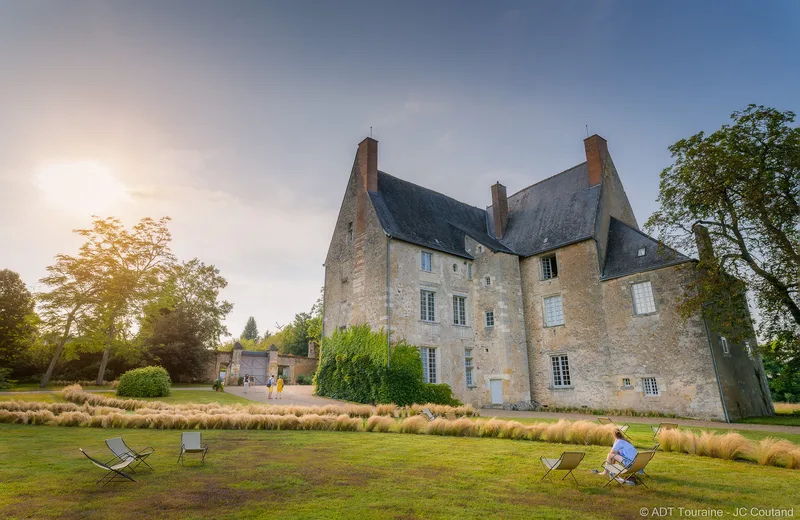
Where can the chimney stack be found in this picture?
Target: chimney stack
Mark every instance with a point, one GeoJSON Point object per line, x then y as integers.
{"type": "Point", "coordinates": [705, 249]}
{"type": "Point", "coordinates": [368, 164]}
{"type": "Point", "coordinates": [499, 209]}
{"type": "Point", "coordinates": [596, 154]}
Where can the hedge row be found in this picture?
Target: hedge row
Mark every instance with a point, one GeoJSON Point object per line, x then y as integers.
{"type": "Point", "coordinates": [353, 367]}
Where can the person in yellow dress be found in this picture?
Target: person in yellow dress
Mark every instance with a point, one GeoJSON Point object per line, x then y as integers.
{"type": "Point", "coordinates": [280, 385]}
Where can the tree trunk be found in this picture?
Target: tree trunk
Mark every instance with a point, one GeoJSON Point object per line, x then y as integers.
{"type": "Point", "coordinates": [102, 372]}
{"type": "Point", "coordinates": [59, 349]}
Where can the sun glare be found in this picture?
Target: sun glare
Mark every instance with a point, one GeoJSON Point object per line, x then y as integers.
{"type": "Point", "coordinates": [82, 187]}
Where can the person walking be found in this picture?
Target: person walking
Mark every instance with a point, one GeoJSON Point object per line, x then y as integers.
{"type": "Point", "coordinates": [270, 384]}
{"type": "Point", "coordinates": [280, 385]}
{"type": "Point", "coordinates": [246, 382]}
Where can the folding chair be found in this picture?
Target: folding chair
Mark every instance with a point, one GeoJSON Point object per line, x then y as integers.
{"type": "Point", "coordinates": [123, 452]}
{"type": "Point", "coordinates": [621, 427]}
{"type": "Point", "coordinates": [663, 426]}
{"type": "Point", "coordinates": [191, 442]}
{"type": "Point", "coordinates": [450, 416]}
{"type": "Point", "coordinates": [112, 472]}
{"type": "Point", "coordinates": [568, 461]}
{"type": "Point", "coordinates": [427, 413]}
{"type": "Point", "coordinates": [620, 473]}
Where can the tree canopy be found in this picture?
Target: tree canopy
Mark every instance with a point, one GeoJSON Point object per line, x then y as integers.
{"type": "Point", "coordinates": [17, 318]}
{"type": "Point", "coordinates": [742, 183]}
{"type": "Point", "coordinates": [250, 330]}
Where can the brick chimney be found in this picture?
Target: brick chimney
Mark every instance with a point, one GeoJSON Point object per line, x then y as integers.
{"type": "Point", "coordinates": [596, 154]}
{"type": "Point", "coordinates": [499, 209]}
{"type": "Point", "coordinates": [368, 164]}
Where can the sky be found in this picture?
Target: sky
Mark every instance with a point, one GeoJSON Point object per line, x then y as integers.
{"type": "Point", "coordinates": [240, 120]}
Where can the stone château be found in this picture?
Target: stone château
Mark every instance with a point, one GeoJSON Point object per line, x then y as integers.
{"type": "Point", "coordinates": [551, 296]}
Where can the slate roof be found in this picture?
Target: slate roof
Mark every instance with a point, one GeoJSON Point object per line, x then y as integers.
{"type": "Point", "coordinates": [552, 213]}
{"type": "Point", "coordinates": [424, 217]}
{"type": "Point", "coordinates": [622, 257]}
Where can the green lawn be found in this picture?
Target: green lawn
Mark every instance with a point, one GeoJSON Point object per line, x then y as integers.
{"type": "Point", "coordinates": [781, 419]}
{"type": "Point", "coordinates": [309, 474]}
{"type": "Point", "coordinates": [178, 396]}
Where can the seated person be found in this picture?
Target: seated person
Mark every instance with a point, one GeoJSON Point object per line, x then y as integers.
{"type": "Point", "coordinates": [622, 452]}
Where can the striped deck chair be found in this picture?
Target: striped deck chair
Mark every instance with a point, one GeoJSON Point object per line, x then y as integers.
{"type": "Point", "coordinates": [427, 413]}
{"type": "Point", "coordinates": [663, 426]}
{"type": "Point", "coordinates": [568, 461]}
{"type": "Point", "coordinates": [620, 473]}
{"type": "Point", "coordinates": [621, 427]}
{"type": "Point", "coordinates": [114, 472]}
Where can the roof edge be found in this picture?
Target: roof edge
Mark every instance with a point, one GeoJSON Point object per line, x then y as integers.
{"type": "Point", "coordinates": [684, 260]}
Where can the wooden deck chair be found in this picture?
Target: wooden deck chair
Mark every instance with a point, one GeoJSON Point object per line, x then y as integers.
{"type": "Point", "coordinates": [568, 461]}
{"type": "Point", "coordinates": [450, 416]}
{"type": "Point", "coordinates": [119, 448]}
{"type": "Point", "coordinates": [427, 413]}
{"type": "Point", "coordinates": [663, 426]}
{"type": "Point", "coordinates": [192, 442]}
{"type": "Point", "coordinates": [621, 427]}
{"type": "Point", "coordinates": [114, 472]}
{"type": "Point", "coordinates": [620, 473]}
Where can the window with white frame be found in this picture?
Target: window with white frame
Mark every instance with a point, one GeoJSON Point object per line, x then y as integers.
{"type": "Point", "coordinates": [490, 318]}
{"type": "Point", "coordinates": [349, 232]}
{"type": "Point", "coordinates": [428, 364]}
{"type": "Point", "coordinates": [626, 381]}
{"type": "Point", "coordinates": [469, 271]}
{"type": "Point", "coordinates": [560, 371]}
{"type": "Point", "coordinates": [427, 305]}
{"type": "Point", "coordinates": [650, 386]}
{"type": "Point", "coordinates": [553, 311]}
{"type": "Point", "coordinates": [725, 348]}
{"type": "Point", "coordinates": [459, 310]}
{"type": "Point", "coordinates": [549, 267]}
{"type": "Point", "coordinates": [643, 302]}
{"type": "Point", "coordinates": [426, 261]}
{"type": "Point", "coordinates": [468, 366]}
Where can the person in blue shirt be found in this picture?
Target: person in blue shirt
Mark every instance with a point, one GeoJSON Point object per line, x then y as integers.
{"type": "Point", "coordinates": [622, 452]}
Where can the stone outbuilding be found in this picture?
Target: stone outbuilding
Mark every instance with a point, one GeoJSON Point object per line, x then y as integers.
{"type": "Point", "coordinates": [260, 364]}
{"type": "Point", "coordinates": [551, 296]}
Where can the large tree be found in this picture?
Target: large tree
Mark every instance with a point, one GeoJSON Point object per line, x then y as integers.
{"type": "Point", "coordinates": [250, 330]}
{"type": "Point", "coordinates": [116, 273]}
{"type": "Point", "coordinates": [176, 343]}
{"type": "Point", "coordinates": [742, 183]}
{"type": "Point", "coordinates": [16, 318]}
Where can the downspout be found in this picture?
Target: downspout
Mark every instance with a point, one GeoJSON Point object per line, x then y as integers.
{"type": "Point", "coordinates": [716, 372]}
{"type": "Point", "coordinates": [388, 303]}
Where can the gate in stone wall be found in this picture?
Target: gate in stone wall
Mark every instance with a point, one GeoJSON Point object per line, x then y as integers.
{"type": "Point", "coordinates": [255, 364]}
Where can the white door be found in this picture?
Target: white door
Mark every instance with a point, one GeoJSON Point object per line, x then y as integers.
{"type": "Point", "coordinates": [496, 386]}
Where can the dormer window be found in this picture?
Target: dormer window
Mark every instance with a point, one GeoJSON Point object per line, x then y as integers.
{"type": "Point", "coordinates": [641, 252]}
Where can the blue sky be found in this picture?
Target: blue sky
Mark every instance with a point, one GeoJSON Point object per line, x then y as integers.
{"type": "Point", "coordinates": [240, 119]}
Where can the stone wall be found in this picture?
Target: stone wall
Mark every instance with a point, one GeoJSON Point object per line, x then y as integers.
{"type": "Point", "coordinates": [499, 352]}
{"type": "Point", "coordinates": [606, 341]}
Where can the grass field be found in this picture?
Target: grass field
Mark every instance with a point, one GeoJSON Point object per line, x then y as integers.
{"type": "Point", "coordinates": [178, 396]}
{"type": "Point", "coordinates": [306, 474]}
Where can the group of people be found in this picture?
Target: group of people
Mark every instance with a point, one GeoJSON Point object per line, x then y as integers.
{"type": "Point", "coordinates": [271, 384]}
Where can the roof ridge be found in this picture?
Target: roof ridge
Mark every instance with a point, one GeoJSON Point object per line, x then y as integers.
{"type": "Point", "coordinates": [547, 179]}
{"type": "Point", "coordinates": [430, 190]}
{"type": "Point", "coordinates": [659, 242]}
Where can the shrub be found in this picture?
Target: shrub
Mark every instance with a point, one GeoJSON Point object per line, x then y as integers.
{"type": "Point", "coordinates": [303, 380]}
{"type": "Point", "coordinates": [353, 367]}
{"type": "Point", "coordinates": [144, 382]}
